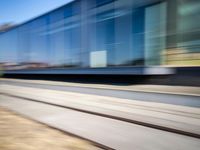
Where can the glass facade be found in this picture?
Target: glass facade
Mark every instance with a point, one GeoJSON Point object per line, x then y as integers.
{"type": "Point", "coordinates": [107, 33]}
{"type": "Point", "coordinates": [186, 50]}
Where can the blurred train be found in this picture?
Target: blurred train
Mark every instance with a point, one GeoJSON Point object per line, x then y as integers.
{"type": "Point", "coordinates": [106, 37]}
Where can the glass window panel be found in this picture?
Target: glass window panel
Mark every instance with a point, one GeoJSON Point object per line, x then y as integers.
{"type": "Point", "coordinates": [38, 41]}
{"type": "Point", "coordinates": [123, 30]}
{"type": "Point", "coordinates": [103, 2]}
{"type": "Point", "coordinates": [138, 36]}
{"type": "Point", "coordinates": [56, 37]}
{"type": "Point", "coordinates": [188, 26]}
{"type": "Point", "coordinates": [155, 33]}
{"type": "Point", "coordinates": [102, 32]}
{"type": "Point", "coordinates": [72, 38]}
{"type": "Point", "coordinates": [24, 43]}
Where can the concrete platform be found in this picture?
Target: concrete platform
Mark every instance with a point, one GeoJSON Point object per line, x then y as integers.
{"type": "Point", "coordinates": [27, 134]}
{"type": "Point", "coordinates": [182, 118]}
{"type": "Point", "coordinates": [110, 132]}
{"type": "Point", "coordinates": [178, 90]}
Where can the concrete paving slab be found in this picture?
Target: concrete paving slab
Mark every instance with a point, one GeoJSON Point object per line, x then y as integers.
{"type": "Point", "coordinates": [165, 89]}
{"type": "Point", "coordinates": [171, 116]}
{"type": "Point", "coordinates": [113, 133]}
{"type": "Point", "coordinates": [20, 133]}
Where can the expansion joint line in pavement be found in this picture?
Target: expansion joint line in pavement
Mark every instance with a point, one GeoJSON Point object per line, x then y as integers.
{"type": "Point", "coordinates": [61, 130]}
{"type": "Point", "coordinates": [163, 128]}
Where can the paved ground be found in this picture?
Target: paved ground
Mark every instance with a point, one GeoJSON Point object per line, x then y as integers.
{"type": "Point", "coordinates": [181, 118]}
{"type": "Point", "coordinates": [144, 106]}
{"type": "Point", "coordinates": [149, 93]}
{"type": "Point", "coordinates": [113, 133]}
{"type": "Point", "coordinates": [182, 90]}
{"type": "Point", "coordinates": [19, 133]}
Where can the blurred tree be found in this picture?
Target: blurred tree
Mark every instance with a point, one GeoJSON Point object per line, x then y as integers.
{"type": "Point", "coordinates": [6, 26]}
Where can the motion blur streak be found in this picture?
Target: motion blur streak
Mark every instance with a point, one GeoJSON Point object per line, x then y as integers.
{"type": "Point", "coordinates": [106, 33]}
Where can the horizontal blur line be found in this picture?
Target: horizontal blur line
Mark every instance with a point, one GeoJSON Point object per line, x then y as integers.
{"type": "Point", "coordinates": [167, 129]}
{"type": "Point", "coordinates": [66, 132]}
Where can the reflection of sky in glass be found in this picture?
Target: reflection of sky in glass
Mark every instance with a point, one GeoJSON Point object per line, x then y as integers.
{"type": "Point", "coordinates": [130, 34]}
{"type": "Point", "coordinates": [26, 9]}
